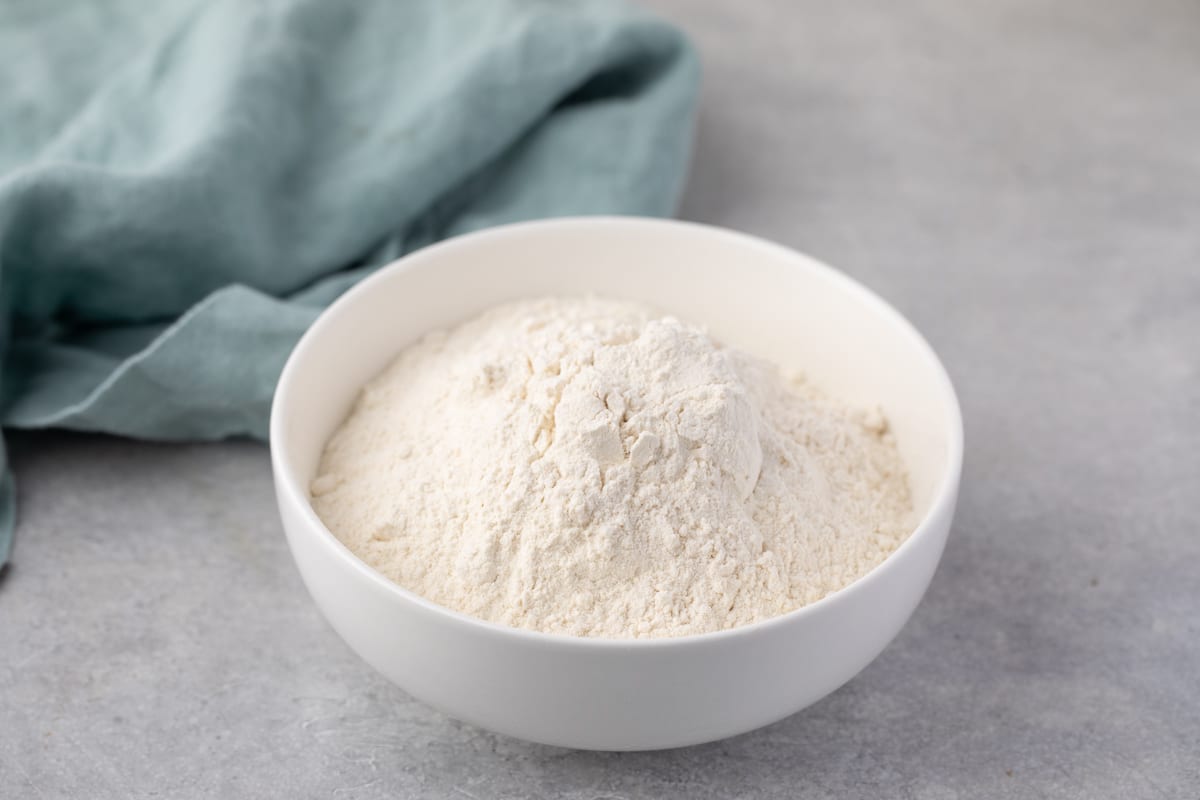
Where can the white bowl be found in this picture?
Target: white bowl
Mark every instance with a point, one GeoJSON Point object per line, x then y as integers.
{"type": "Point", "coordinates": [622, 694]}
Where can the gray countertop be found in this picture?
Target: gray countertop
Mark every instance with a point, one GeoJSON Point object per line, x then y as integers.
{"type": "Point", "coordinates": [1023, 180]}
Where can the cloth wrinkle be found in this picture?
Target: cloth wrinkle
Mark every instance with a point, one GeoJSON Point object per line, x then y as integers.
{"type": "Point", "coordinates": [179, 198]}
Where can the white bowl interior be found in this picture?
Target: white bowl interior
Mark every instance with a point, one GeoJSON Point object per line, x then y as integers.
{"type": "Point", "coordinates": [760, 297]}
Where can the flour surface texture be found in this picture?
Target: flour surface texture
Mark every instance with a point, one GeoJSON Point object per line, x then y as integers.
{"type": "Point", "coordinates": [589, 467]}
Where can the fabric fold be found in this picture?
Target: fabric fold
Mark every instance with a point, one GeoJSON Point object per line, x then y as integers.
{"type": "Point", "coordinates": [241, 164]}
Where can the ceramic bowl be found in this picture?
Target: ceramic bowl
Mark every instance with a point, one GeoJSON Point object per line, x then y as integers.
{"type": "Point", "coordinates": [622, 694]}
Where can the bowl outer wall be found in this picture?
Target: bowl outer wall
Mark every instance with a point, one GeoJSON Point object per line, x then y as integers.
{"type": "Point", "coordinates": [586, 693]}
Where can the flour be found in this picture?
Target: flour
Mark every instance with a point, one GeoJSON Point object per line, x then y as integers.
{"type": "Point", "coordinates": [587, 467]}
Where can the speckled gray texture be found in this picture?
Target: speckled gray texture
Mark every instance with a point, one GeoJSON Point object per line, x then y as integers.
{"type": "Point", "coordinates": [1023, 179]}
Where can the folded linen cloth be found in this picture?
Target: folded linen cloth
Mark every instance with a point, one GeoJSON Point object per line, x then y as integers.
{"type": "Point", "coordinates": [183, 186]}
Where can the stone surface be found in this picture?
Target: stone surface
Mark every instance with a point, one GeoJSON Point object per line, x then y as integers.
{"type": "Point", "coordinates": [1023, 180]}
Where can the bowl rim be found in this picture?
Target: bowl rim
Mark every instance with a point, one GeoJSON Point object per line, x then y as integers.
{"type": "Point", "coordinates": [945, 495]}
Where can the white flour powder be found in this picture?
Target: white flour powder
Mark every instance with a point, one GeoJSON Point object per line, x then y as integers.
{"type": "Point", "coordinates": [587, 467]}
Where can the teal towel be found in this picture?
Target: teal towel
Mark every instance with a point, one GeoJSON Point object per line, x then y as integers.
{"type": "Point", "coordinates": [183, 186]}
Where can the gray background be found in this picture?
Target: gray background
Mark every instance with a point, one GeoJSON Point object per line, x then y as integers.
{"type": "Point", "coordinates": [1022, 178]}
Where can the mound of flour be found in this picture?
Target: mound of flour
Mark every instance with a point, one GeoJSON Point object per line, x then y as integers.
{"type": "Point", "coordinates": [588, 467]}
